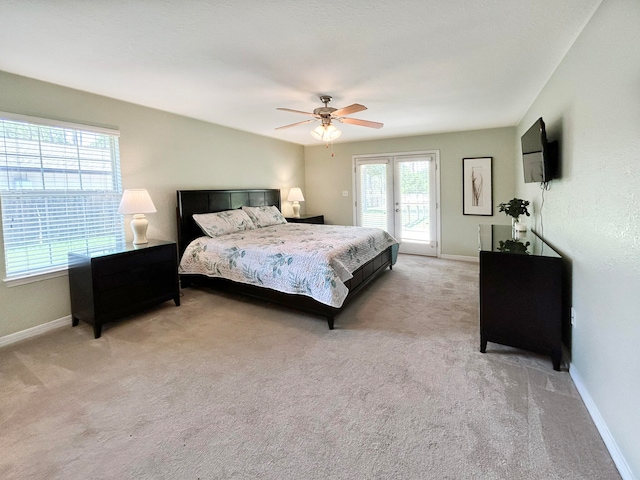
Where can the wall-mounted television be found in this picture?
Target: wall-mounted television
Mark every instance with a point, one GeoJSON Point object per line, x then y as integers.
{"type": "Point", "coordinates": [539, 157]}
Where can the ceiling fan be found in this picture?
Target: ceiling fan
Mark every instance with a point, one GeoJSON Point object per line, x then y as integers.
{"type": "Point", "coordinates": [326, 131]}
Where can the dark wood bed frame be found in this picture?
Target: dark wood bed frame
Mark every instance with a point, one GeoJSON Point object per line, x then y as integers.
{"type": "Point", "coordinates": [209, 201]}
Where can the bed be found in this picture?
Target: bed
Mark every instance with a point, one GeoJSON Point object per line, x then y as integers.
{"type": "Point", "coordinates": [249, 269]}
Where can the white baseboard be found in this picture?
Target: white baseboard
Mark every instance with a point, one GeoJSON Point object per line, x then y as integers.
{"type": "Point", "coordinates": [609, 441]}
{"type": "Point", "coordinates": [34, 331]}
{"type": "Point", "coordinates": [461, 258]}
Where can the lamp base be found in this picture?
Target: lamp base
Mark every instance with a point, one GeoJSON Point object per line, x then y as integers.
{"type": "Point", "coordinates": [139, 226]}
{"type": "Point", "coordinates": [296, 209]}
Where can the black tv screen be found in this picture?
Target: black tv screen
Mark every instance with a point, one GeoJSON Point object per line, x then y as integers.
{"type": "Point", "coordinates": [539, 157]}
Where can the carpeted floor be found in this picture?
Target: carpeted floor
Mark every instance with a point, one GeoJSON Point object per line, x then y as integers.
{"type": "Point", "coordinates": [222, 388]}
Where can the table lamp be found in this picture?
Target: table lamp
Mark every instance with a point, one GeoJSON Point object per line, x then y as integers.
{"type": "Point", "coordinates": [137, 202]}
{"type": "Point", "coordinates": [295, 196]}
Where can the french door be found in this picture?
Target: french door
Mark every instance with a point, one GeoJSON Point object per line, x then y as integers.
{"type": "Point", "coordinates": [398, 193]}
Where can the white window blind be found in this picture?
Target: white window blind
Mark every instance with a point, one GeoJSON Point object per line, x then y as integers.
{"type": "Point", "coordinates": [373, 189]}
{"type": "Point", "coordinates": [60, 189]}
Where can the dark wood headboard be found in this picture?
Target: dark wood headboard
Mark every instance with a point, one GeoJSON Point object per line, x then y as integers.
{"type": "Point", "coordinates": [209, 201]}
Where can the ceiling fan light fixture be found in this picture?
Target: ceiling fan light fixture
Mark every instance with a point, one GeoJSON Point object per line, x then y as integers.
{"type": "Point", "coordinates": [326, 133]}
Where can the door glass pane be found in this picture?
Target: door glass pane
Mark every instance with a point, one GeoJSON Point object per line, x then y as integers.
{"type": "Point", "coordinates": [414, 200]}
{"type": "Point", "coordinates": [373, 197]}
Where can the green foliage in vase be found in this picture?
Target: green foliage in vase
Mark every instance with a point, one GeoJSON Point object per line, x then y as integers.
{"type": "Point", "coordinates": [515, 207]}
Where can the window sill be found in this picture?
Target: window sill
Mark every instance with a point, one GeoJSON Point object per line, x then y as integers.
{"type": "Point", "coordinates": [38, 277]}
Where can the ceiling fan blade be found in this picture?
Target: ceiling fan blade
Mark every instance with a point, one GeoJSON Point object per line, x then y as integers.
{"type": "Point", "coordinates": [296, 124]}
{"type": "Point", "coordinates": [362, 123]}
{"type": "Point", "coordinates": [356, 107]}
{"type": "Point", "coordinates": [295, 111]}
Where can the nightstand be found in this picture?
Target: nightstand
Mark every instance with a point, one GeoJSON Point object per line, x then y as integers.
{"type": "Point", "coordinates": [108, 285]}
{"type": "Point", "coordinates": [319, 219]}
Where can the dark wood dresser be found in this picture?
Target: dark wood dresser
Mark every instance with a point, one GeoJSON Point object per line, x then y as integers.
{"type": "Point", "coordinates": [521, 292]}
{"type": "Point", "coordinates": [108, 285]}
{"type": "Point", "coordinates": [318, 219]}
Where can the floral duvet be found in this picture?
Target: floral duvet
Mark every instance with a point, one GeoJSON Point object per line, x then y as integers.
{"type": "Point", "coordinates": [311, 260]}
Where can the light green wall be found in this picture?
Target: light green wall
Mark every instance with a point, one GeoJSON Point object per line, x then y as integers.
{"type": "Point", "coordinates": [327, 177]}
{"type": "Point", "coordinates": [592, 106]}
{"type": "Point", "coordinates": [159, 151]}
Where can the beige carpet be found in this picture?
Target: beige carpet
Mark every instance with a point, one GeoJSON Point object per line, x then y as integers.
{"type": "Point", "coordinates": [222, 388]}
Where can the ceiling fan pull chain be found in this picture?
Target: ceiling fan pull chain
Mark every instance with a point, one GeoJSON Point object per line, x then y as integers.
{"type": "Point", "coordinates": [327, 146]}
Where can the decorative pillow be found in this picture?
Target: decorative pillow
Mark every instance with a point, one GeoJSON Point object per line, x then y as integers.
{"type": "Point", "coordinates": [265, 216]}
{"type": "Point", "coordinates": [221, 223]}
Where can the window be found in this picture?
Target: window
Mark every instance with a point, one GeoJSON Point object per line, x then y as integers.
{"type": "Point", "coordinates": [60, 190]}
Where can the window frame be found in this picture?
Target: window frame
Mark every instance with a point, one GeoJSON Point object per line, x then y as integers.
{"type": "Point", "coordinates": [57, 269]}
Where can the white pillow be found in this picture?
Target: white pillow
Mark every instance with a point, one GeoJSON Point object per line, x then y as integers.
{"type": "Point", "coordinates": [222, 223]}
{"type": "Point", "coordinates": [265, 216]}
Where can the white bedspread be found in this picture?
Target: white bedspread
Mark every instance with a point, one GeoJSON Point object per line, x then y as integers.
{"type": "Point", "coordinates": [311, 260]}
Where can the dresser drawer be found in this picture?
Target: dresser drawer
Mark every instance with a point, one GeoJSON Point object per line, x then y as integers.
{"type": "Point", "coordinates": [111, 303]}
{"type": "Point", "coordinates": [133, 260]}
{"type": "Point", "coordinates": [121, 278]}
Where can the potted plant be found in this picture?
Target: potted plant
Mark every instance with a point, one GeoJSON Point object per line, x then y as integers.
{"type": "Point", "coordinates": [514, 208]}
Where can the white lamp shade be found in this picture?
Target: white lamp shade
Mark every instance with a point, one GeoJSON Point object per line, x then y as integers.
{"type": "Point", "coordinates": [295, 195]}
{"type": "Point", "coordinates": [136, 200]}
{"type": "Point", "coordinates": [326, 133]}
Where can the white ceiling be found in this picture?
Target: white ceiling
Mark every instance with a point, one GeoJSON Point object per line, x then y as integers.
{"type": "Point", "coordinates": [420, 66]}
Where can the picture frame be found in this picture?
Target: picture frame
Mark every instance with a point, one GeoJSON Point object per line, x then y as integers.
{"type": "Point", "coordinates": [477, 186]}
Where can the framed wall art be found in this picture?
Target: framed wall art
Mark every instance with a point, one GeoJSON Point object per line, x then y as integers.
{"type": "Point", "coordinates": [476, 186]}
